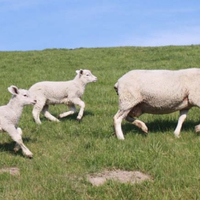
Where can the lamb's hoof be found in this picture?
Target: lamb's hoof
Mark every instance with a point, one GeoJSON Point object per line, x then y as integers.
{"type": "Point", "coordinates": [197, 128]}
{"type": "Point", "coordinates": [60, 116]}
{"type": "Point", "coordinates": [120, 137]}
{"type": "Point", "coordinates": [79, 120]}
{"type": "Point", "coordinates": [145, 129]}
{"type": "Point", "coordinates": [16, 149]}
{"type": "Point", "coordinates": [30, 156]}
{"type": "Point", "coordinates": [177, 135]}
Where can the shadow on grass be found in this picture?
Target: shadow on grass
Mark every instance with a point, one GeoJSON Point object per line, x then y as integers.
{"type": "Point", "coordinates": [9, 147]}
{"type": "Point", "coordinates": [70, 117]}
{"type": "Point", "coordinates": [159, 126]}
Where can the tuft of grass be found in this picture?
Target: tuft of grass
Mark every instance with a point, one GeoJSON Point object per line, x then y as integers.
{"type": "Point", "coordinates": [65, 152]}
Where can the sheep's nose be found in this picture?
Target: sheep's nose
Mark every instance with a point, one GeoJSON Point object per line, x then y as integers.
{"type": "Point", "coordinates": [35, 101]}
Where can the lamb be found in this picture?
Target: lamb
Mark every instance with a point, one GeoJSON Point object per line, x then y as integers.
{"type": "Point", "coordinates": [10, 115]}
{"type": "Point", "coordinates": [65, 92]}
{"type": "Point", "coordinates": [156, 92]}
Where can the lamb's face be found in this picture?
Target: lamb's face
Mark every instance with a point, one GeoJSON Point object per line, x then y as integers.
{"type": "Point", "coordinates": [87, 76]}
{"type": "Point", "coordinates": [25, 98]}
{"type": "Point", "coordinates": [22, 96]}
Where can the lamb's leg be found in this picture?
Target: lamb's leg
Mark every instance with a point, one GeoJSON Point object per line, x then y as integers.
{"type": "Point", "coordinates": [71, 112]}
{"type": "Point", "coordinates": [138, 123]}
{"type": "Point", "coordinates": [182, 117]}
{"type": "Point", "coordinates": [48, 115]}
{"type": "Point", "coordinates": [37, 109]}
{"type": "Point", "coordinates": [16, 136]}
{"type": "Point", "coordinates": [120, 115]}
{"type": "Point", "coordinates": [17, 147]}
{"type": "Point", "coordinates": [80, 103]}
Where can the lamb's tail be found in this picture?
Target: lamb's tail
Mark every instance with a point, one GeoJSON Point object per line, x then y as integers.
{"type": "Point", "coordinates": [116, 88]}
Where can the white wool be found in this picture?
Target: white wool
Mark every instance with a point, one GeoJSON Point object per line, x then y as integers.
{"type": "Point", "coordinates": [156, 92]}
{"type": "Point", "coordinates": [61, 92]}
{"type": "Point", "coordinates": [11, 113]}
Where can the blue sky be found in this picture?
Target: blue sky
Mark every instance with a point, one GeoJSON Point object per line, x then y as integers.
{"type": "Point", "coordinates": [41, 24]}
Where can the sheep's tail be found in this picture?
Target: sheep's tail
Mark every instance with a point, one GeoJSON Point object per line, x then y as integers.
{"type": "Point", "coordinates": [116, 87]}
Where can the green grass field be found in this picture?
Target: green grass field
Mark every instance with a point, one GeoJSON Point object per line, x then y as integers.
{"type": "Point", "coordinates": [65, 152]}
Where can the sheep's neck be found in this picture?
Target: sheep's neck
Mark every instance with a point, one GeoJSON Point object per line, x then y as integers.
{"type": "Point", "coordinates": [80, 82]}
{"type": "Point", "coordinates": [16, 106]}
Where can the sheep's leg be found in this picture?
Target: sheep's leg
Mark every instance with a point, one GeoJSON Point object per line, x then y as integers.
{"type": "Point", "coordinates": [197, 127]}
{"type": "Point", "coordinates": [36, 111]}
{"type": "Point", "coordinates": [120, 115]}
{"type": "Point", "coordinates": [80, 103]}
{"type": "Point", "coordinates": [15, 134]}
{"type": "Point", "coordinates": [194, 99]}
{"type": "Point", "coordinates": [182, 117]}
{"type": "Point", "coordinates": [71, 112]}
{"type": "Point", "coordinates": [138, 123]}
{"type": "Point", "coordinates": [48, 115]}
{"type": "Point", "coordinates": [17, 147]}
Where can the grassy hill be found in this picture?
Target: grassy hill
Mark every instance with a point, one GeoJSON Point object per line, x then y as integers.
{"type": "Point", "coordinates": [65, 152]}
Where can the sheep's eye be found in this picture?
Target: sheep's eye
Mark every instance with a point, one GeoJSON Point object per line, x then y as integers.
{"type": "Point", "coordinates": [87, 74]}
{"type": "Point", "coordinates": [25, 95]}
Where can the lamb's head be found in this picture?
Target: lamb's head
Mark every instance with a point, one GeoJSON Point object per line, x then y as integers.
{"type": "Point", "coordinates": [86, 76]}
{"type": "Point", "coordinates": [23, 96]}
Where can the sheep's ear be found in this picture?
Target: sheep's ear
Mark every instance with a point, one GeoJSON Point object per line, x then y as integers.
{"type": "Point", "coordinates": [79, 71]}
{"type": "Point", "coordinates": [13, 90]}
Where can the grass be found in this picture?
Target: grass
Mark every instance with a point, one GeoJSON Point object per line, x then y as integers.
{"type": "Point", "coordinates": [64, 153]}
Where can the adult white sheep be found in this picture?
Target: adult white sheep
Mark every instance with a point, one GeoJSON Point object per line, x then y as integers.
{"type": "Point", "coordinates": [156, 92]}
{"type": "Point", "coordinates": [10, 115]}
{"type": "Point", "coordinates": [65, 92]}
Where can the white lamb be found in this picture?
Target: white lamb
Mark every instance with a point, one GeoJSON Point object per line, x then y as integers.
{"type": "Point", "coordinates": [65, 92]}
{"type": "Point", "coordinates": [156, 92]}
{"type": "Point", "coordinates": [10, 115]}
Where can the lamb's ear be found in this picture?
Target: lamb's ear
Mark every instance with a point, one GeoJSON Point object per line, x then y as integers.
{"type": "Point", "coordinates": [13, 90]}
{"type": "Point", "coordinates": [79, 71]}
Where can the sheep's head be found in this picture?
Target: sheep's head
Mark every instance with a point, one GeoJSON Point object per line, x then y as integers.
{"type": "Point", "coordinates": [86, 76]}
{"type": "Point", "coordinates": [22, 95]}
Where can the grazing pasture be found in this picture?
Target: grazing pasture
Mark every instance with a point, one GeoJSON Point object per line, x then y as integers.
{"type": "Point", "coordinates": [66, 153]}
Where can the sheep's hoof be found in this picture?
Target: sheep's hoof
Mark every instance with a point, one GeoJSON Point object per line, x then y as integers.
{"type": "Point", "coordinates": [60, 116]}
{"type": "Point", "coordinates": [30, 156]}
{"type": "Point", "coordinates": [120, 137]}
{"type": "Point", "coordinates": [16, 149]}
{"type": "Point", "coordinates": [177, 135]}
{"type": "Point", "coordinates": [79, 120]}
{"type": "Point", "coordinates": [145, 129]}
{"type": "Point", "coordinates": [197, 128]}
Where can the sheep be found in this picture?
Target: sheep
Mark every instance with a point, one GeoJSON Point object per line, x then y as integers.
{"type": "Point", "coordinates": [65, 92]}
{"type": "Point", "coordinates": [156, 92]}
{"type": "Point", "coordinates": [10, 115]}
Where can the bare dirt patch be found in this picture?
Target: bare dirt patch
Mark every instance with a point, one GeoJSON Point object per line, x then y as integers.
{"type": "Point", "coordinates": [130, 177]}
{"type": "Point", "coordinates": [14, 171]}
